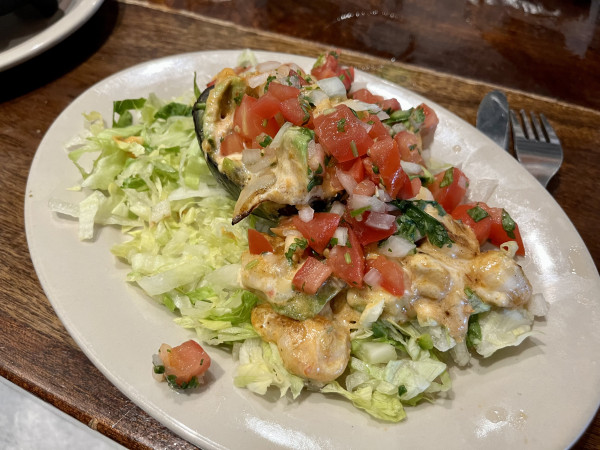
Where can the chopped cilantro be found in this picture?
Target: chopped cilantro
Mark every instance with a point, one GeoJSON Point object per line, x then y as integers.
{"type": "Point", "coordinates": [341, 124]}
{"type": "Point", "coordinates": [477, 213]}
{"type": "Point", "coordinates": [508, 224]}
{"type": "Point", "coordinates": [448, 177]}
{"type": "Point", "coordinates": [299, 243]}
{"type": "Point", "coordinates": [266, 141]}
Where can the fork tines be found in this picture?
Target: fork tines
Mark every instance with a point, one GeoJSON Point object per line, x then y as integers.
{"type": "Point", "coordinates": [536, 145]}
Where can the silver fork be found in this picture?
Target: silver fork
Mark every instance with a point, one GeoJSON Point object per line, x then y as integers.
{"type": "Point", "coordinates": [538, 147]}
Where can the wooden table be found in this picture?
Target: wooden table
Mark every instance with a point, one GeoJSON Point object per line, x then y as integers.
{"type": "Point", "coordinates": [453, 56]}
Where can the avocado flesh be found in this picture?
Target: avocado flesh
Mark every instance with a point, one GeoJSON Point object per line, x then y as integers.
{"type": "Point", "coordinates": [281, 186]}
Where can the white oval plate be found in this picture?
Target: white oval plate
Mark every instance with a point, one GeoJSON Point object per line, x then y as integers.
{"type": "Point", "coordinates": [28, 38]}
{"type": "Point", "coordinates": [541, 395]}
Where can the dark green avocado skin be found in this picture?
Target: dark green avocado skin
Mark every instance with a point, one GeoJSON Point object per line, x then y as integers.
{"type": "Point", "coordinates": [197, 113]}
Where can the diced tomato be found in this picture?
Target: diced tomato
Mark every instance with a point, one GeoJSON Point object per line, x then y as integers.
{"type": "Point", "coordinates": [249, 124]}
{"type": "Point", "coordinates": [410, 188]}
{"type": "Point", "coordinates": [370, 171]}
{"type": "Point", "coordinates": [267, 106]}
{"type": "Point", "coordinates": [355, 168]}
{"type": "Point", "coordinates": [365, 187]}
{"type": "Point", "coordinates": [292, 111]}
{"type": "Point", "coordinates": [378, 130]}
{"type": "Point", "coordinates": [185, 361]}
{"type": "Point", "coordinates": [283, 92]}
{"type": "Point", "coordinates": [392, 274]}
{"type": "Point", "coordinates": [364, 95]}
{"type": "Point", "coordinates": [409, 145]}
{"type": "Point", "coordinates": [431, 122]}
{"type": "Point", "coordinates": [482, 227]}
{"type": "Point", "coordinates": [342, 134]}
{"type": "Point", "coordinates": [449, 188]}
{"type": "Point", "coordinates": [310, 277]}
{"type": "Point", "coordinates": [347, 76]}
{"type": "Point", "coordinates": [233, 143]}
{"type": "Point", "coordinates": [498, 235]}
{"type": "Point", "coordinates": [348, 261]}
{"type": "Point", "coordinates": [319, 231]}
{"type": "Point", "coordinates": [326, 67]}
{"type": "Point", "coordinates": [366, 234]}
{"type": "Point", "coordinates": [258, 243]}
{"type": "Point", "coordinates": [386, 157]}
{"type": "Point", "coordinates": [390, 105]}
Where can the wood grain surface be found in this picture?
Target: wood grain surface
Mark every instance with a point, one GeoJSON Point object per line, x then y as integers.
{"type": "Point", "coordinates": [36, 352]}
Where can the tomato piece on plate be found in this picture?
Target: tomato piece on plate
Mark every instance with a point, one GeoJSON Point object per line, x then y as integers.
{"type": "Point", "coordinates": [390, 105]}
{"type": "Point", "coordinates": [392, 274]}
{"type": "Point", "coordinates": [318, 231]}
{"type": "Point", "coordinates": [365, 95]}
{"type": "Point", "coordinates": [249, 124]}
{"type": "Point", "coordinates": [504, 228]}
{"type": "Point", "coordinates": [365, 187]}
{"type": "Point", "coordinates": [377, 130]}
{"type": "Point", "coordinates": [348, 261]}
{"type": "Point", "coordinates": [355, 168]}
{"type": "Point", "coordinates": [311, 276]}
{"type": "Point", "coordinates": [427, 130]}
{"type": "Point", "coordinates": [267, 106]}
{"type": "Point", "coordinates": [386, 157]}
{"type": "Point", "coordinates": [185, 361]}
{"type": "Point", "coordinates": [366, 234]}
{"type": "Point", "coordinates": [326, 66]}
{"type": "Point", "coordinates": [410, 188]}
{"type": "Point", "coordinates": [449, 188]}
{"type": "Point", "coordinates": [283, 92]}
{"type": "Point", "coordinates": [342, 134]}
{"type": "Point", "coordinates": [475, 216]}
{"type": "Point", "coordinates": [409, 145]}
{"type": "Point", "coordinates": [258, 243]}
{"type": "Point", "coordinates": [293, 112]}
{"type": "Point", "coordinates": [232, 143]}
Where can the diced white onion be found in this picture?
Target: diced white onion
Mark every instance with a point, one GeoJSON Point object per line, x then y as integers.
{"type": "Point", "coordinates": [348, 182]}
{"type": "Point", "coordinates": [276, 142]}
{"type": "Point", "coordinates": [398, 128]}
{"type": "Point", "coordinates": [411, 168]}
{"type": "Point", "coordinates": [381, 221]}
{"type": "Point", "coordinates": [382, 115]}
{"type": "Point", "coordinates": [358, 105]}
{"type": "Point", "coordinates": [257, 80]}
{"type": "Point", "coordinates": [366, 126]}
{"type": "Point", "coordinates": [267, 66]}
{"type": "Point", "coordinates": [306, 213]}
{"type": "Point", "coordinates": [338, 208]}
{"type": "Point", "coordinates": [373, 277]}
{"type": "Point", "coordinates": [316, 96]}
{"type": "Point", "coordinates": [384, 196]}
{"type": "Point", "coordinates": [333, 87]}
{"type": "Point", "coordinates": [357, 201]}
{"type": "Point", "coordinates": [341, 234]}
{"type": "Point", "coordinates": [396, 247]}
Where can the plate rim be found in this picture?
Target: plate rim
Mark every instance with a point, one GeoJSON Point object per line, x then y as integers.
{"type": "Point", "coordinates": [175, 426]}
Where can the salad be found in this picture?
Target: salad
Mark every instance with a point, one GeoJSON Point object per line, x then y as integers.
{"type": "Point", "coordinates": [299, 220]}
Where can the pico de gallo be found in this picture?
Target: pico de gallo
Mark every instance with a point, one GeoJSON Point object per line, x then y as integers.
{"type": "Point", "coordinates": [298, 218]}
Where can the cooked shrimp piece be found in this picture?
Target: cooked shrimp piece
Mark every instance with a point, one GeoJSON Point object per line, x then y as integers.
{"type": "Point", "coordinates": [317, 348]}
{"type": "Point", "coordinates": [499, 280]}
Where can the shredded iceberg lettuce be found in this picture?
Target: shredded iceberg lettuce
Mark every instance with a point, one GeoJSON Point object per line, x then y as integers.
{"type": "Point", "coordinates": [146, 174]}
